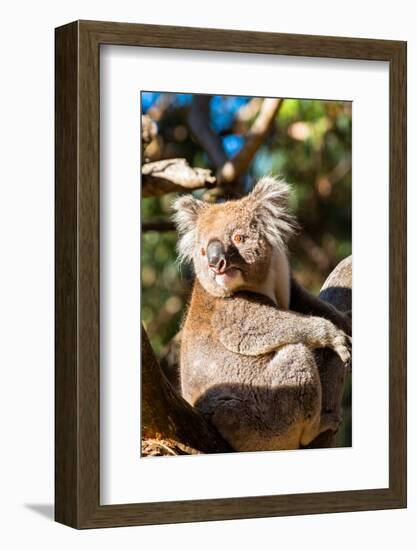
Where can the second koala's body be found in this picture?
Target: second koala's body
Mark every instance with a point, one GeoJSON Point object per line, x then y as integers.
{"type": "Point", "coordinates": [247, 351]}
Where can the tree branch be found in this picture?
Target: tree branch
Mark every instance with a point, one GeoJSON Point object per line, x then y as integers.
{"type": "Point", "coordinates": [166, 176]}
{"type": "Point", "coordinates": [199, 122]}
{"type": "Point", "coordinates": [149, 130]}
{"type": "Point", "coordinates": [237, 165]}
{"type": "Point", "coordinates": [158, 225]}
{"type": "Point", "coordinates": [172, 175]}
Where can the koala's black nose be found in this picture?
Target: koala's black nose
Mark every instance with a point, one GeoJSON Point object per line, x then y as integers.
{"type": "Point", "coordinates": [216, 256]}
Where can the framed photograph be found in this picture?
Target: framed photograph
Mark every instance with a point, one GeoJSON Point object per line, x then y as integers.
{"type": "Point", "coordinates": [230, 218]}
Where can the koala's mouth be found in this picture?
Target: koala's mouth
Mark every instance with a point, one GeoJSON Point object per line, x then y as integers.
{"type": "Point", "coordinates": [229, 272]}
{"type": "Point", "coordinates": [226, 275]}
{"type": "Point", "coordinates": [224, 269]}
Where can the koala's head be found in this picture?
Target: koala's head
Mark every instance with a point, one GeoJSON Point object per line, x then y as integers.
{"type": "Point", "coordinates": [231, 244]}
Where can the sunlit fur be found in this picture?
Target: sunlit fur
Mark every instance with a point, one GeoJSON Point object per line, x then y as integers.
{"type": "Point", "coordinates": [267, 204]}
{"type": "Point", "coordinates": [187, 209]}
{"type": "Point", "coordinates": [269, 199]}
{"type": "Point", "coordinates": [247, 361]}
{"type": "Point", "coordinates": [265, 223]}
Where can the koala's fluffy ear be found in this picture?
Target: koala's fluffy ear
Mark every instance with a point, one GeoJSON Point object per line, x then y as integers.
{"type": "Point", "coordinates": [187, 210]}
{"type": "Point", "coordinates": [271, 197]}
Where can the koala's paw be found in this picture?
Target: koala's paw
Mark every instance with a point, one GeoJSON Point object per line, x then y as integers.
{"type": "Point", "coordinates": [342, 345]}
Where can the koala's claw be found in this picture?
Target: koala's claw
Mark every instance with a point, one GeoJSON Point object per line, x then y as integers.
{"type": "Point", "coordinates": [345, 356]}
{"type": "Point", "coordinates": [342, 345]}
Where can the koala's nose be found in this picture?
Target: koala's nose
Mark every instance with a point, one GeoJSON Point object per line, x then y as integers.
{"type": "Point", "coordinates": [216, 256]}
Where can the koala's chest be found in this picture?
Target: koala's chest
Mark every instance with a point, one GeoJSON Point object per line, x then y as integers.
{"type": "Point", "coordinates": [277, 284]}
{"type": "Point", "coordinates": [282, 274]}
{"type": "Point", "coordinates": [279, 280]}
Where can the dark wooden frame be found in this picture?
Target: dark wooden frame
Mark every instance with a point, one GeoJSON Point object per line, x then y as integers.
{"type": "Point", "coordinates": [77, 274]}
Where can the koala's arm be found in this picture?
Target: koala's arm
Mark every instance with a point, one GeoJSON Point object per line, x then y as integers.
{"type": "Point", "coordinates": [304, 302]}
{"type": "Point", "coordinates": [247, 326]}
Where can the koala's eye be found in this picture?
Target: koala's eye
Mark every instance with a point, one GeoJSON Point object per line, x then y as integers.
{"type": "Point", "coordinates": [203, 252]}
{"type": "Point", "coordinates": [238, 238]}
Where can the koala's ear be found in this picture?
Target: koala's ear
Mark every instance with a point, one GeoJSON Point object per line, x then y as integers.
{"type": "Point", "coordinates": [270, 197]}
{"type": "Point", "coordinates": [187, 209]}
{"type": "Point", "coordinates": [272, 190]}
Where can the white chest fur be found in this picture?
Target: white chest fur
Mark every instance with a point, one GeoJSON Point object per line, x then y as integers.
{"type": "Point", "coordinates": [277, 284]}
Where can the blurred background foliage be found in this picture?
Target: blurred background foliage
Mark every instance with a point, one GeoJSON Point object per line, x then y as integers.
{"type": "Point", "coordinates": [309, 145]}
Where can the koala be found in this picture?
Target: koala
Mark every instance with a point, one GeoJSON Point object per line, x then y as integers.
{"type": "Point", "coordinates": [247, 359]}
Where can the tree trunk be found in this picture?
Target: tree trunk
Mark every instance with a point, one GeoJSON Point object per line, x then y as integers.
{"type": "Point", "coordinates": [170, 426]}
{"type": "Point", "coordinates": [337, 290]}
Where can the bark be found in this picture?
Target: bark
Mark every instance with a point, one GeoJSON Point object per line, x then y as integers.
{"type": "Point", "coordinates": [169, 424]}
{"type": "Point", "coordinates": [172, 175]}
{"type": "Point", "coordinates": [149, 130]}
{"type": "Point", "coordinates": [169, 361]}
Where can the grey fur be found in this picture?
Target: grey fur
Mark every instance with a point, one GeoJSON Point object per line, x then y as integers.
{"type": "Point", "coordinates": [247, 362]}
